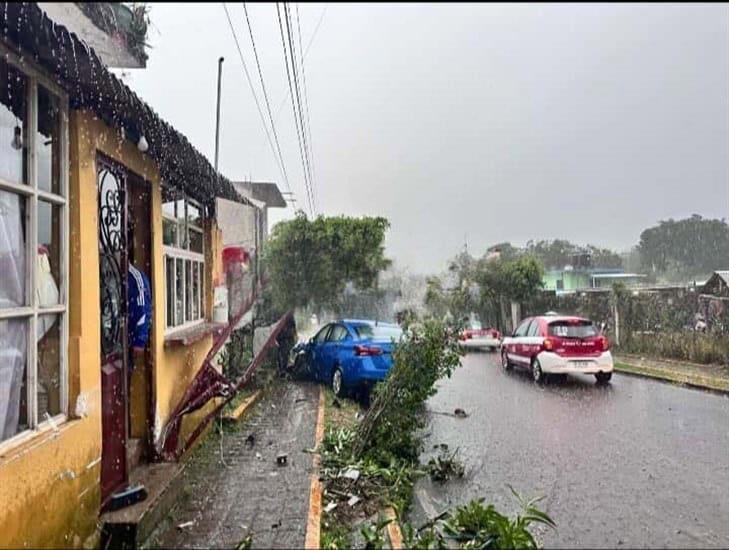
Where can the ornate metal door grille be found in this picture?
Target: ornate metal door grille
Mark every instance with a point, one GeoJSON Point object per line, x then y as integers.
{"type": "Point", "coordinates": [112, 257]}
{"type": "Point", "coordinates": [112, 211]}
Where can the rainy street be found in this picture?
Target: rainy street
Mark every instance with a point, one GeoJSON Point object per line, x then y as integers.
{"type": "Point", "coordinates": [637, 463]}
{"type": "Point", "coordinates": [242, 245]}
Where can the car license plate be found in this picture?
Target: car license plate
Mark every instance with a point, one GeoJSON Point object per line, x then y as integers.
{"type": "Point", "coordinates": [581, 364]}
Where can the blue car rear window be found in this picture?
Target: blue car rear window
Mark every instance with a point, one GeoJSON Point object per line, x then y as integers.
{"type": "Point", "coordinates": [379, 332]}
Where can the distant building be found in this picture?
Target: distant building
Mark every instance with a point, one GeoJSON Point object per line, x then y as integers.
{"type": "Point", "coordinates": [244, 227]}
{"type": "Point", "coordinates": [717, 285]}
{"type": "Point", "coordinates": [247, 224]}
{"type": "Point", "coordinates": [570, 278]}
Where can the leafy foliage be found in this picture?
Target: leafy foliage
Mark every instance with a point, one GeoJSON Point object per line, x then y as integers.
{"type": "Point", "coordinates": [426, 538]}
{"type": "Point", "coordinates": [505, 250]}
{"type": "Point", "coordinates": [685, 346]}
{"type": "Point", "coordinates": [428, 352]}
{"type": "Point", "coordinates": [690, 247]}
{"type": "Point", "coordinates": [379, 483]}
{"type": "Point", "coordinates": [374, 534]}
{"type": "Point", "coordinates": [246, 543]}
{"type": "Point", "coordinates": [384, 447]}
{"type": "Point", "coordinates": [445, 466]}
{"type": "Point", "coordinates": [335, 537]}
{"type": "Point", "coordinates": [235, 357]}
{"type": "Point", "coordinates": [474, 525]}
{"type": "Point", "coordinates": [484, 286]}
{"type": "Point", "coordinates": [436, 300]}
{"type": "Point", "coordinates": [477, 526]}
{"type": "Point", "coordinates": [558, 253]}
{"type": "Point", "coordinates": [501, 281]}
{"type": "Point", "coordinates": [520, 279]}
{"type": "Point", "coordinates": [310, 262]}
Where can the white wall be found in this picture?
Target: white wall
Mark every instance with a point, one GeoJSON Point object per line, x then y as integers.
{"type": "Point", "coordinates": [237, 222]}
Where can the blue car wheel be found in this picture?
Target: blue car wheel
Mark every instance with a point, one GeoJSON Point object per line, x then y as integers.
{"type": "Point", "coordinates": [337, 382]}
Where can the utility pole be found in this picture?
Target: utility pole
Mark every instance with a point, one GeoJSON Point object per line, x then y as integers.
{"type": "Point", "coordinates": [217, 114]}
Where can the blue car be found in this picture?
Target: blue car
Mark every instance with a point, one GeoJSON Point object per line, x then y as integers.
{"type": "Point", "coordinates": [349, 354]}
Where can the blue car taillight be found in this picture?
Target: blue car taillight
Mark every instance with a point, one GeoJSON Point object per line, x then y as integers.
{"type": "Point", "coordinates": [367, 351]}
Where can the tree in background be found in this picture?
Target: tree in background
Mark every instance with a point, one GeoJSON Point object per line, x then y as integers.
{"type": "Point", "coordinates": [501, 282]}
{"type": "Point", "coordinates": [485, 286]}
{"type": "Point", "coordinates": [604, 257]}
{"type": "Point", "coordinates": [688, 248]}
{"type": "Point", "coordinates": [506, 251]}
{"type": "Point", "coordinates": [558, 253]}
{"type": "Point", "coordinates": [436, 300]}
{"type": "Point", "coordinates": [553, 254]}
{"type": "Point", "coordinates": [309, 263]}
{"type": "Point", "coordinates": [521, 279]}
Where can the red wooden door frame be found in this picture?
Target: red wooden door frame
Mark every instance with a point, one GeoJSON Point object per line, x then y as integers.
{"type": "Point", "coordinates": [112, 214]}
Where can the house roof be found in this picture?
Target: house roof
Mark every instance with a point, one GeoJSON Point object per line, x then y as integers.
{"type": "Point", "coordinates": [617, 275]}
{"type": "Point", "coordinates": [586, 270]}
{"type": "Point", "coordinates": [262, 191]}
{"type": "Point", "coordinates": [721, 275]}
{"type": "Point", "coordinates": [724, 275]}
{"type": "Point", "coordinates": [90, 85]}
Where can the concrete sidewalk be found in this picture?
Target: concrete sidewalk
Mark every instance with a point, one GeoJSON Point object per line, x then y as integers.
{"type": "Point", "coordinates": [247, 493]}
{"type": "Point", "coordinates": [713, 377]}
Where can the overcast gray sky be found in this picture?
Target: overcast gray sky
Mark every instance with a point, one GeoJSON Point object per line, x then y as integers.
{"type": "Point", "coordinates": [495, 122]}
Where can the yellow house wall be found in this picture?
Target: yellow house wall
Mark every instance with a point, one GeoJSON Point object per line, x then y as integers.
{"type": "Point", "coordinates": [177, 365]}
{"type": "Point", "coordinates": [49, 485]}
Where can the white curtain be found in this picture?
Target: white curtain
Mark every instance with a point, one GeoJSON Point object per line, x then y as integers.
{"type": "Point", "coordinates": [12, 294]}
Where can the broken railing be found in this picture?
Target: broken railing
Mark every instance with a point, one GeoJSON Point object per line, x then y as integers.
{"type": "Point", "coordinates": [209, 383]}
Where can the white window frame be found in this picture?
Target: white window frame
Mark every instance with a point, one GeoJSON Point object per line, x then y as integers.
{"type": "Point", "coordinates": [188, 257]}
{"type": "Point", "coordinates": [30, 192]}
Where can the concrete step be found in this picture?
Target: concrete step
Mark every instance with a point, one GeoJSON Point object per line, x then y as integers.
{"type": "Point", "coordinates": [129, 527]}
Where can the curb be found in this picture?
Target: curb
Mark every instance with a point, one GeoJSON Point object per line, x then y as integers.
{"type": "Point", "coordinates": [313, 521]}
{"type": "Point", "coordinates": [694, 381]}
{"type": "Point", "coordinates": [240, 410]}
{"type": "Point", "coordinates": [393, 529]}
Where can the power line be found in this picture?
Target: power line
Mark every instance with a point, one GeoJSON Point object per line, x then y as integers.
{"type": "Point", "coordinates": [265, 94]}
{"type": "Point", "coordinates": [306, 104]}
{"type": "Point", "coordinates": [296, 120]}
{"type": "Point", "coordinates": [306, 52]}
{"type": "Point", "coordinates": [293, 105]}
{"type": "Point", "coordinates": [297, 89]}
{"type": "Point", "coordinates": [279, 160]}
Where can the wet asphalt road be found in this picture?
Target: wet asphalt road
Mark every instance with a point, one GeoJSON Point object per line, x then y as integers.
{"type": "Point", "coordinates": [637, 463]}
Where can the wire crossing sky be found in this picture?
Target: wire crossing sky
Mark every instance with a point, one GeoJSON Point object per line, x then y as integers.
{"type": "Point", "coordinates": [502, 122]}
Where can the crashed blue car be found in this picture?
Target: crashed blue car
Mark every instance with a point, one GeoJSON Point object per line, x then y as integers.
{"type": "Point", "coordinates": [349, 354]}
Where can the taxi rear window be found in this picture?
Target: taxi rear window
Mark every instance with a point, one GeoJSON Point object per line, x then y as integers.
{"type": "Point", "coordinates": [572, 329]}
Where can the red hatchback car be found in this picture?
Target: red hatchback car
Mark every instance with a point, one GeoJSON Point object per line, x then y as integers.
{"type": "Point", "coordinates": [558, 344]}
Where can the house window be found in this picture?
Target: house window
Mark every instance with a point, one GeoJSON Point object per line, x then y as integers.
{"type": "Point", "coordinates": [182, 236]}
{"type": "Point", "coordinates": [33, 253]}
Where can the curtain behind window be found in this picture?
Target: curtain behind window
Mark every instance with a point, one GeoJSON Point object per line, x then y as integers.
{"type": "Point", "coordinates": [13, 332]}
